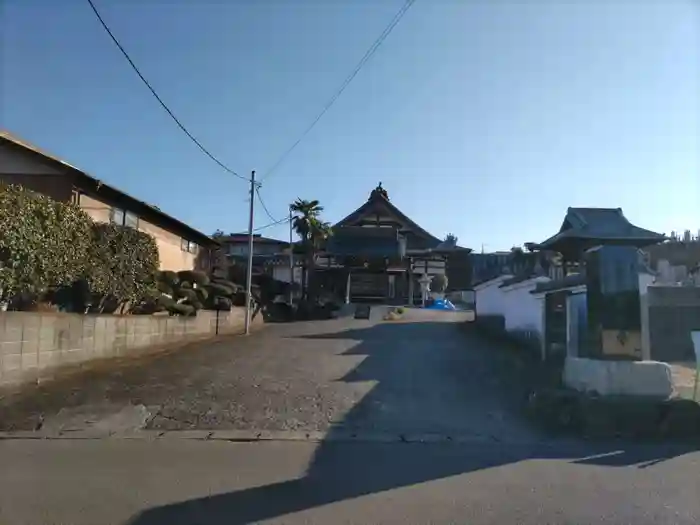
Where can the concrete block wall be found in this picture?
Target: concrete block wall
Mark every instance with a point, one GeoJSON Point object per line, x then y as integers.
{"type": "Point", "coordinates": [33, 345]}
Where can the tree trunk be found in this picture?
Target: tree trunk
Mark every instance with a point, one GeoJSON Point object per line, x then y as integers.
{"type": "Point", "coordinates": [310, 277]}
{"type": "Point", "coordinates": [305, 273]}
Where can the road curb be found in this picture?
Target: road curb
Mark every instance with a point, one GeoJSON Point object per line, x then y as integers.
{"type": "Point", "coordinates": [247, 436]}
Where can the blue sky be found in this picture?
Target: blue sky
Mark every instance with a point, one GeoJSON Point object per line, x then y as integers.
{"type": "Point", "coordinates": [485, 119]}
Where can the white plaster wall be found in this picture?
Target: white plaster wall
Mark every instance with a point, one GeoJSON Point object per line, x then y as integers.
{"type": "Point", "coordinates": [489, 297]}
{"type": "Point", "coordinates": [522, 309]}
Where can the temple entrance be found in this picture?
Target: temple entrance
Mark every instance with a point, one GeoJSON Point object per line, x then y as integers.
{"type": "Point", "coordinates": [377, 286]}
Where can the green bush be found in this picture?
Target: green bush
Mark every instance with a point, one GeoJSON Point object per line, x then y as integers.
{"type": "Point", "coordinates": [169, 277]}
{"type": "Point", "coordinates": [188, 294]}
{"type": "Point", "coordinates": [43, 244]}
{"type": "Point", "coordinates": [202, 294]}
{"type": "Point", "coordinates": [164, 287]}
{"type": "Point", "coordinates": [125, 262]}
{"type": "Point", "coordinates": [181, 309]}
{"type": "Point", "coordinates": [193, 276]}
{"type": "Point", "coordinates": [217, 289]}
{"type": "Point", "coordinates": [165, 302]}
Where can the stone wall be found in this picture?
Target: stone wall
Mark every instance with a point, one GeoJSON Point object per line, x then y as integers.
{"type": "Point", "coordinates": [674, 312]}
{"type": "Point", "coordinates": [33, 345]}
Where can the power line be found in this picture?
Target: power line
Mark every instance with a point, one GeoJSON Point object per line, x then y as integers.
{"type": "Point", "coordinates": [160, 100]}
{"type": "Point", "coordinates": [370, 52]}
{"type": "Point", "coordinates": [257, 190]}
{"type": "Point", "coordinates": [281, 221]}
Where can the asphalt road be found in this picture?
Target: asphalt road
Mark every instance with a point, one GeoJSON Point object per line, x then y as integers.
{"type": "Point", "coordinates": [423, 374]}
{"type": "Point", "coordinates": [378, 382]}
{"type": "Point", "coordinates": [178, 482]}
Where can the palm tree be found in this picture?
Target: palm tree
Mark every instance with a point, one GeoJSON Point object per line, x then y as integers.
{"type": "Point", "coordinates": [312, 231]}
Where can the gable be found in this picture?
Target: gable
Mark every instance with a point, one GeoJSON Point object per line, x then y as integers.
{"type": "Point", "coordinates": [17, 161]}
{"type": "Point", "coordinates": [379, 212]}
{"type": "Point", "coordinates": [373, 214]}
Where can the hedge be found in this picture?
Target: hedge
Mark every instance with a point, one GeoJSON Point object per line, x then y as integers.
{"type": "Point", "coordinates": [43, 243]}
{"type": "Point", "coordinates": [46, 246]}
{"type": "Point", "coordinates": [125, 262]}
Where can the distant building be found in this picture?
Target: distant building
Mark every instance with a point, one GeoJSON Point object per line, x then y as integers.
{"type": "Point", "coordinates": [487, 266]}
{"type": "Point", "coordinates": [270, 256]}
{"type": "Point", "coordinates": [180, 246]}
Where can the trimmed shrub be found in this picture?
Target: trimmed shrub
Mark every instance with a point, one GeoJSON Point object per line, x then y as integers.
{"type": "Point", "coordinates": [182, 309]}
{"type": "Point", "coordinates": [220, 290]}
{"type": "Point", "coordinates": [188, 294]}
{"type": "Point", "coordinates": [168, 276]}
{"type": "Point", "coordinates": [193, 276]}
{"type": "Point", "coordinates": [164, 287]}
{"type": "Point", "coordinates": [125, 262]}
{"type": "Point", "coordinates": [202, 295]}
{"type": "Point", "coordinates": [43, 243]}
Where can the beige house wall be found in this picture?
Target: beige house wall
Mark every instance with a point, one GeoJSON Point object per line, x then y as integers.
{"type": "Point", "coordinates": [97, 210]}
{"type": "Point", "coordinates": [172, 256]}
{"type": "Point", "coordinates": [18, 167]}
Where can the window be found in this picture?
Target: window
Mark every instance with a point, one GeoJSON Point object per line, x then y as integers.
{"type": "Point", "coordinates": [123, 218]}
{"type": "Point", "coordinates": [188, 246]}
{"type": "Point", "coordinates": [131, 219]}
{"type": "Point", "coordinates": [116, 216]}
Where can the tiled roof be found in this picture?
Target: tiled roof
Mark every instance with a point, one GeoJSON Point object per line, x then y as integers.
{"type": "Point", "coordinates": [378, 201]}
{"type": "Point", "coordinates": [243, 237]}
{"type": "Point", "coordinates": [600, 223]}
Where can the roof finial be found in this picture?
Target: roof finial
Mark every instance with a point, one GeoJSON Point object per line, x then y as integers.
{"type": "Point", "coordinates": [379, 192]}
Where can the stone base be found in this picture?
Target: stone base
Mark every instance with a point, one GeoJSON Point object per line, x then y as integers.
{"type": "Point", "coordinates": [651, 379]}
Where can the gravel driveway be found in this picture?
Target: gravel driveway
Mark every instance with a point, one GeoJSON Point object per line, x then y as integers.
{"type": "Point", "coordinates": [422, 374]}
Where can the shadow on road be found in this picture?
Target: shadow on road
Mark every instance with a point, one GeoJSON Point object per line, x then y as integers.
{"type": "Point", "coordinates": [433, 379]}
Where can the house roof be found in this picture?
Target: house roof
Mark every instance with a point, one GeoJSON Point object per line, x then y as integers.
{"type": "Point", "coordinates": [600, 224]}
{"type": "Point", "coordinates": [154, 211]}
{"type": "Point", "coordinates": [243, 237]}
{"type": "Point", "coordinates": [380, 199]}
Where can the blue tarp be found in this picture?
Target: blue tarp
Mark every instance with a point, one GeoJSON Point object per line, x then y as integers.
{"type": "Point", "coordinates": [441, 304]}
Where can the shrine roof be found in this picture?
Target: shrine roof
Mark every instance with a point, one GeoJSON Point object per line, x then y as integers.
{"type": "Point", "coordinates": [379, 201]}
{"type": "Point", "coordinates": [604, 224]}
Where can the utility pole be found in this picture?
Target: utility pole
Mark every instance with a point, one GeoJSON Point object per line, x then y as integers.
{"type": "Point", "coordinates": [249, 269]}
{"type": "Point", "coordinates": [291, 260]}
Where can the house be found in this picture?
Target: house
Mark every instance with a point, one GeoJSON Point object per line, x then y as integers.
{"type": "Point", "coordinates": [180, 246]}
{"type": "Point", "coordinates": [270, 256]}
{"type": "Point", "coordinates": [377, 253]}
